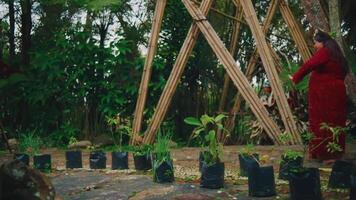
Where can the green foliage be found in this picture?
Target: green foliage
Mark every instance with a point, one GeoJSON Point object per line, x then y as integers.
{"type": "Point", "coordinates": [248, 149]}
{"type": "Point", "coordinates": [336, 131]}
{"type": "Point", "coordinates": [118, 130]}
{"type": "Point", "coordinates": [205, 131]}
{"type": "Point", "coordinates": [30, 143]}
{"type": "Point", "coordinates": [141, 150]}
{"type": "Point", "coordinates": [161, 149]}
{"type": "Point", "coordinates": [292, 155]}
{"type": "Point", "coordinates": [63, 136]}
{"type": "Point", "coordinates": [287, 71]}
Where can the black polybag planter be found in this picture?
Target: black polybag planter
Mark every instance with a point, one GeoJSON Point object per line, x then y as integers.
{"type": "Point", "coordinates": [97, 160]}
{"type": "Point", "coordinates": [261, 181]}
{"type": "Point", "coordinates": [163, 172]}
{"type": "Point", "coordinates": [142, 162]}
{"type": "Point", "coordinates": [201, 159]}
{"type": "Point", "coordinates": [42, 162]}
{"type": "Point", "coordinates": [212, 176]}
{"type": "Point", "coordinates": [119, 160]}
{"type": "Point", "coordinates": [22, 157]}
{"type": "Point", "coordinates": [340, 174]}
{"type": "Point", "coordinates": [74, 159]}
{"type": "Point", "coordinates": [353, 188]}
{"type": "Point", "coordinates": [288, 165]}
{"type": "Point", "coordinates": [305, 184]}
{"type": "Point", "coordinates": [247, 161]}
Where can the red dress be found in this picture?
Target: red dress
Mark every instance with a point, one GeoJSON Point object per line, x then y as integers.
{"type": "Point", "coordinates": [326, 100]}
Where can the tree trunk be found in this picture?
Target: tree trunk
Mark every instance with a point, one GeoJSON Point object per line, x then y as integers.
{"type": "Point", "coordinates": [26, 25]}
{"type": "Point", "coordinates": [12, 31]}
{"type": "Point", "coordinates": [335, 26]}
{"type": "Point", "coordinates": [315, 14]}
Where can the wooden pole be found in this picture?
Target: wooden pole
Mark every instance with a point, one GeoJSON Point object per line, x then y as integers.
{"type": "Point", "coordinates": [295, 30]}
{"type": "Point", "coordinates": [234, 72]}
{"type": "Point", "coordinates": [234, 39]}
{"type": "Point", "coordinates": [233, 44]}
{"type": "Point", "coordinates": [147, 70]}
{"type": "Point", "coordinates": [230, 122]}
{"type": "Point", "coordinates": [174, 77]}
{"type": "Point", "coordinates": [266, 57]}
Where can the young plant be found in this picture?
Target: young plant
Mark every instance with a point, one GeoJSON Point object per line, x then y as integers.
{"type": "Point", "coordinates": [30, 143]}
{"type": "Point", "coordinates": [205, 131]}
{"type": "Point", "coordinates": [142, 150]}
{"type": "Point", "coordinates": [289, 154]}
{"type": "Point", "coordinates": [248, 150]}
{"type": "Point", "coordinates": [336, 131]}
{"type": "Point", "coordinates": [118, 131]}
{"type": "Point", "coordinates": [161, 147]}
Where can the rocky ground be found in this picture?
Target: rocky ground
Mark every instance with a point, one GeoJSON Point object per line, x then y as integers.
{"type": "Point", "coordinates": [131, 184]}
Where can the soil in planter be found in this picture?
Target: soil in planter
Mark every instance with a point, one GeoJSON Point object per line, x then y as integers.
{"type": "Point", "coordinates": [42, 162]}
{"type": "Point", "coordinates": [163, 173]}
{"type": "Point", "coordinates": [74, 159]}
{"type": "Point", "coordinates": [212, 176]}
{"type": "Point", "coordinates": [247, 161]}
{"type": "Point", "coordinates": [97, 160]}
{"type": "Point", "coordinates": [261, 181]}
{"type": "Point", "coordinates": [340, 174]}
{"type": "Point", "coordinates": [288, 165]}
{"type": "Point", "coordinates": [22, 157]}
{"type": "Point", "coordinates": [305, 184]}
{"type": "Point", "coordinates": [142, 162]}
{"type": "Point", "coordinates": [119, 160]}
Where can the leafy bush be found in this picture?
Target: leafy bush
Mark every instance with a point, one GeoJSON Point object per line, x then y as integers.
{"type": "Point", "coordinates": [205, 131]}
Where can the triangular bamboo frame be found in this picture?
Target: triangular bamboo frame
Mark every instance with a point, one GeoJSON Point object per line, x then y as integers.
{"type": "Point", "coordinates": [147, 69]}
{"type": "Point", "coordinates": [232, 69]}
{"type": "Point", "coordinates": [297, 35]}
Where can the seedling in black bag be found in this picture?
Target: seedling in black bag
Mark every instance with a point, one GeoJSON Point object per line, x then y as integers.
{"type": "Point", "coordinates": [212, 168]}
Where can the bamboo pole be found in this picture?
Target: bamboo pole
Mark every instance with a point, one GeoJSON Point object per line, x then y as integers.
{"type": "Point", "coordinates": [271, 72]}
{"type": "Point", "coordinates": [232, 49]}
{"type": "Point", "coordinates": [230, 122]}
{"type": "Point", "coordinates": [295, 30]}
{"type": "Point", "coordinates": [235, 74]}
{"type": "Point", "coordinates": [147, 70]}
{"type": "Point", "coordinates": [174, 77]}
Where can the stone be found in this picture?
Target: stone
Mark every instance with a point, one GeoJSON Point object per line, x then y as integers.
{"type": "Point", "coordinates": [13, 143]}
{"type": "Point", "coordinates": [80, 145]}
{"type": "Point", "coordinates": [103, 140]}
{"type": "Point", "coordinates": [193, 197]}
{"type": "Point", "coordinates": [18, 181]}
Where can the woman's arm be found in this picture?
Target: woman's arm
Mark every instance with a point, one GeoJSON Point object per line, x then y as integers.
{"type": "Point", "coordinates": [318, 60]}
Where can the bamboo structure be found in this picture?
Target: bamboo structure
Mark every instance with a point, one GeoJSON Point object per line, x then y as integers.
{"type": "Point", "coordinates": [268, 56]}
{"type": "Point", "coordinates": [147, 70]}
{"type": "Point", "coordinates": [295, 31]}
{"type": "Point", "coordinates": [235, 74]}
{"type": "Point", "coordinates": [267, 60]}
{"type": "Point", "coordinates": [233, 44]}
{"type": "Point", "coordinates": [230, 122]}
{"type": "Point", "coordinates": [174, 77]}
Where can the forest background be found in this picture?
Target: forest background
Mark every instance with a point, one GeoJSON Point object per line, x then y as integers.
{"type": "Point", "coordinates": [80, 62]}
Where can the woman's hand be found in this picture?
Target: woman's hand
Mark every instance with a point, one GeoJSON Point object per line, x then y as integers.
{"type": "Point", "coordinates": [291, 78]}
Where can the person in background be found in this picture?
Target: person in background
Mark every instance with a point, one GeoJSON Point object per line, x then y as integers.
{"type": "Point", "coordinates": [326, 95]}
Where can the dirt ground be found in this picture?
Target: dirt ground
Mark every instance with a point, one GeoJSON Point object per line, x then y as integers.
{"type": "Point", "coordinates": [107, 184]}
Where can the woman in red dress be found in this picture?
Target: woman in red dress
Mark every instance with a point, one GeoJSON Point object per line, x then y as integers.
{"type": "Point", "coordinates": [326, 95]}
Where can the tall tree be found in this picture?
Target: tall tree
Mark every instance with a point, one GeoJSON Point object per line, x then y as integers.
{"type": "Point", "coordinates": [315, 14]}
{"type": "Point", "coordinates": [11, 31]}
{"type": "Point", "coordinates": [26, 25]}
